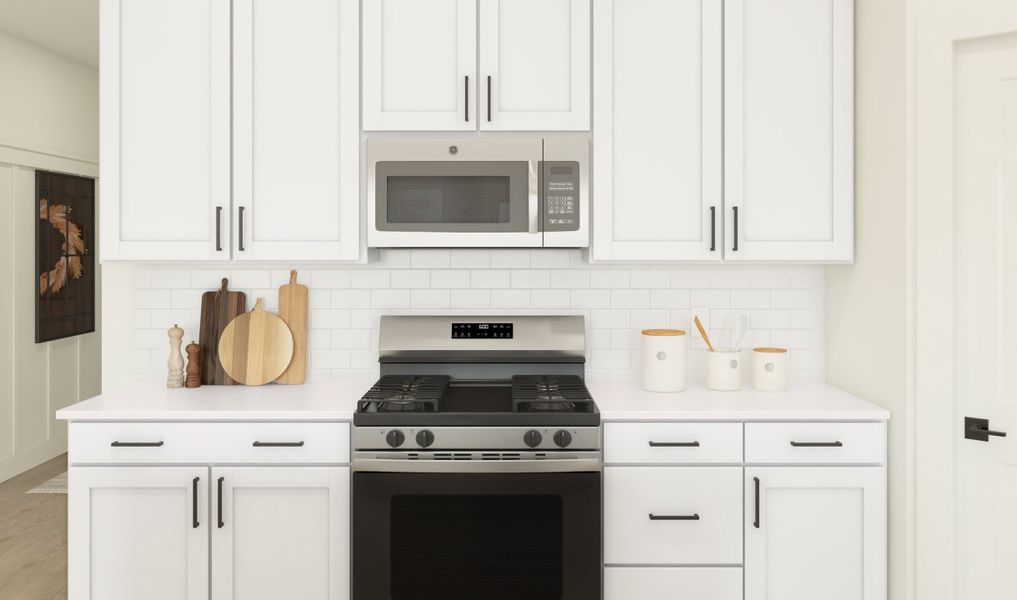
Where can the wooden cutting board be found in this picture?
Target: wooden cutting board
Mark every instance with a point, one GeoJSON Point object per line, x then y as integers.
{"type": "Point", "coordinates": [217, 309]}
{"type": "Point", "coordinates": [256, 347]}
{"type": "Point", "coordinates": [293, 310]}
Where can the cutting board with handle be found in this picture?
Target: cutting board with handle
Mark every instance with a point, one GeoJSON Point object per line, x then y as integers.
{"type": "Point", "coordinates": [293, 310]}
{"type": "Point", "coordinates": [218, 308]}
{"type": "Point", "coordinates": [256, 347]}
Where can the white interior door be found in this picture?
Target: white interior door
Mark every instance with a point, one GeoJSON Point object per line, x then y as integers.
{"type": "Point", "coordinates": [534, 65]}
{"type": "Point", "coordinates": [657, 148]}
{"type": "Point", "coordinates": [280, 532]}
{"type": "Point", "coordinates": [789, 129]}
{"type": "Point", "coordinates": [296, 134]}
{"type": "Point", "coordinates": [138, 532]}
{"type": "Point", "coordinates": [966, 194]}
{"type": "Point", "coordinates": [419, 65]}
{"type": "Point", "coordinates": [165, 137]}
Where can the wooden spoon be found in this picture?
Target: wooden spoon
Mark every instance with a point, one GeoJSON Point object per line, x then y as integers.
{"type": "Point", "coordinates": [702, 332]}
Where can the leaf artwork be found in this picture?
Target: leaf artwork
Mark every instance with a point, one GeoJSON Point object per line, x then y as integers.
{"type": "Point", "coordinates": [73, 247]}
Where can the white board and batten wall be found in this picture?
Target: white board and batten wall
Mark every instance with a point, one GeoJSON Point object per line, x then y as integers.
{"type": "Point", "coordinates": [740, 150]}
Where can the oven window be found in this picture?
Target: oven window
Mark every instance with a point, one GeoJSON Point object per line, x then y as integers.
{"type": "Point", "coordinates": [449, 199]}
{"type": "Point", "coordinates": [468, 547]}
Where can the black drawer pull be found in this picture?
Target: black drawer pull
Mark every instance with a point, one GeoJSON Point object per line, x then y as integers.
{"type": "Point", "coordinates": [194, 504]}
{"type": "Point", "coordinates": [218, 503]}
{"type": "Point", "coordinates": [278, 444]}
{"type": "Point", "coordinates": [692, 517]}
{"type": "Point", "coordinates": [674, 444]}
{"type": "Point", "coordinates": [817, 444]}
{"type": "Point", "coordinates": [755, 521]}
{"type": "Point", "coordinates": [136, 444]}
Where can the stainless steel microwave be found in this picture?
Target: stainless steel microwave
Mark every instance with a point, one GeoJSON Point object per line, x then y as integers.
{"type": "Point", "coordinates": [478, 192]}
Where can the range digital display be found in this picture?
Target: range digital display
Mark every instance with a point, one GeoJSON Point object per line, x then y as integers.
{"type": "Point", "coordinates": [474, 331]}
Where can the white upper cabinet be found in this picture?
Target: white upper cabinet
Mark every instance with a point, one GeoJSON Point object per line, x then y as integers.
{"type": "Point", "coordinates": [420, 59]}
{"type": "Point", "coordinates": [534, 65]}
{"type": "Point", "coordinates": [657, 122]}
{"type": "Point", "coordinates": [165, 118]}
{"type": "Point", "coordinates": [789, 130]}
{"type": "Point", "coordinates": [296, 136]}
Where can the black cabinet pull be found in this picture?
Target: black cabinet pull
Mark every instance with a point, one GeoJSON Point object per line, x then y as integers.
{"type": "Point", "coordinates": [488, 98]}
{"type": "Point", "coordinates": [817, 444]}
{"type": "Point", "coordinates": [674, 444]}
{"type": "Point", "coordinates": [218, 502]}
{"type": "Point", "coordinates": [119, 444]}
{"type": "Point", "coordinates": [466, 87]}
{"type": "Point", "coordinates": [278, 444]}
{"type": "Point", "coordinates": [218, 229]}
{"type": "Point", "coordinates": [194, 503]}
{"type": "Point", "coordinates": [240, 229]}
{"type": "Point", "coordinates": [755, 522]}
{"type": "Point", "coordinates": [735, 247]}
{"type": "Point", "coordinates": [692, 517]}
{"type": "Point", "coordinates": [713, 229]}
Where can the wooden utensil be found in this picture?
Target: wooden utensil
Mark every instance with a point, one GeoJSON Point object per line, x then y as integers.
{"type": "Point", "coordinates": [256, 347]}
{"type": "Point", "coordinates": [217, 309]}
{"type": "Point", "coordinates": [293, 310]}
{"type": "Point", "coordinates": [702, 332]}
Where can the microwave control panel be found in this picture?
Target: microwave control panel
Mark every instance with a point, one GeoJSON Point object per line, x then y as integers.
{"type": "Point", "coordinates": [561, 195]}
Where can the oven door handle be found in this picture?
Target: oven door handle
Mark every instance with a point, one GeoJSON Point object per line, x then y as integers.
{"type": "Point", "coordinates": [550, 465]}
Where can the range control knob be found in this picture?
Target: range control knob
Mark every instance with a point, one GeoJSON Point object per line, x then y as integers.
{"type": "Point", "coordinates": [562, 438]}
{"type": "Point", "coordinates": [532, 438]}
{"type": "Point", "coordinates": [424, 438]}
{"type": "Point", "coordinates": [395, 438]}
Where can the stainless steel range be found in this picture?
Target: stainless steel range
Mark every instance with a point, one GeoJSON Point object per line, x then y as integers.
{"type": "Point", "coordinates": [476, 462]}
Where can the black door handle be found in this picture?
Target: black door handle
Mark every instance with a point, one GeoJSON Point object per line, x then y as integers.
{"type": "Point", "coordinates": [240, 229]}
{"type": "Point", "coordinates": [119, 444]}
{"type": "Point", "coordinates": [735, 247]}
{"type": "Point", "coordinates": [674, 444]}
{"type": "Point", "coordinates": [978, 430]}
{"type": "Point", "coordinates": [692, 517]}
{"type": "Point", "coordinates": [466, 87]}
{"type": "Point", "coordinates": [218, 503]}
{"type": "Point", "coordinates": [817, 444]}
{"type": "Point", "coordinates": [194, 503]}
{"type": "Point", "coordinates": [755, 521]}
{"type": "Point", "coordinates": [713, 229]}
{"type": "Point", "coordinates": [278, 444]}
{"type": "Point", "coordinates": [488, 98]}
{"type": "Point", "coordinates": [218, 229]}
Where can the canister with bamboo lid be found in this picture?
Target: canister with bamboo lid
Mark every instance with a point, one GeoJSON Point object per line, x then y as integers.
{"type": "Point", "coordinates": [769, 369]}
{"type": "Point", "coordinates": [663, 353]}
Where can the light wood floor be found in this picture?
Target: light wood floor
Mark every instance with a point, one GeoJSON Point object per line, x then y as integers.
{"type": "Point", "coordinates": [33, 537]}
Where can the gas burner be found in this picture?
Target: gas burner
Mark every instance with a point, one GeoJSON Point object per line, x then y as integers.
{"type": "Point", "coordinates": [402, 403]}
{"type": "Point", "coordinates": [404, 394]}
{"type": "Point", "coordinates": [553, 404]}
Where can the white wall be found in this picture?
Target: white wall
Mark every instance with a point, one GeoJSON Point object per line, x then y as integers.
{"type": "Point", "coordinates": [48, 120]}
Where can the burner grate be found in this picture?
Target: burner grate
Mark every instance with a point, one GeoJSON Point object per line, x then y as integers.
{"type": "Point", "coordinates": [550, 393]}
{"type": "Point", "coordinates": [404, 393]}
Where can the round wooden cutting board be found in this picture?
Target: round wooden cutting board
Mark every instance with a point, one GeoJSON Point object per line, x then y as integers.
{"type": "Point", "coordinates": [256, 347]}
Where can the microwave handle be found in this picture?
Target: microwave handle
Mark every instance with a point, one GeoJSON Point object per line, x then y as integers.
{"type": "Point", "coordinates": [533, 210]}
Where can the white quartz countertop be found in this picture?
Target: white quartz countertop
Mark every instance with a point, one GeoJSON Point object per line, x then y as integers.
{"type": "Point", "coordinates": [336, 401]}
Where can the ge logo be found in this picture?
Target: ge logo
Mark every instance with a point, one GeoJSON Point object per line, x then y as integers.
{"type": "Point", "coordinates": [453, 149]}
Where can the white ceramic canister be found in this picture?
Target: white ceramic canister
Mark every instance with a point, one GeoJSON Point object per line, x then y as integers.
{"type": "Point", "coordinates": [769, 369]}
{"type": "Point", "coordinates": [723, 370]}
{"type": "Point", "coordinates": [663, 360]}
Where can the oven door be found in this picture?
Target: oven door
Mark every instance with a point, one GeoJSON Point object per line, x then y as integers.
{"type": "Point", "coordinates": [454, 192]}
{"type": "Point", "coordinates": [465, 536]}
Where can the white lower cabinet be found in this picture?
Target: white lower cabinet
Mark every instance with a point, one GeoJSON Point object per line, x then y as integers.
{"type": "Point", "coordinates": [815, 532]}
{"type": "Point", "coordinates": [280, 533]}
{"type": "Point", "coordinates": [665, 583]}
{"type": "Point", "coordinates": [138, 532]}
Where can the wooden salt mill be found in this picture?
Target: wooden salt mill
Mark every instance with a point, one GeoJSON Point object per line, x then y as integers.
{"type": "Point", "coordinates": [193, 365]}
{"type": "Point", "coordinates": [175, 378]}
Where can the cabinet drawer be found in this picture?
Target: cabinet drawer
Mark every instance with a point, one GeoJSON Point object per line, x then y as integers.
{"type": "Point", "coordinates": [673, 443]}
{"type": "Point", "coordinates": [656, 583]}
{"type": "Point", "coordinates": [252, 442]}
{"type": "Point", "coordinates": [808, 443]}
{"type": "Point", "coordinates": [696, 515]}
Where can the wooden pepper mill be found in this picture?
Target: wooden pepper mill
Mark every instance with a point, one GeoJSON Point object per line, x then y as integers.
{"type": "Point", "coordinates": [193, 366]}
{"type": "Point", "coordinates": [175, 364]}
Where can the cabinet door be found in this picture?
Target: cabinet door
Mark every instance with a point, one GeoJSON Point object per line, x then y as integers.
{"type": "Point", "coordinates": [165, 118]}
{"type": "Point", "coordinates": [815, 532]}
{"type": "Point", "coordinates": [280, 532]}
{"type": "Point", "coordinates": [138, 532]}
{"type": "Point", "coordinates": [296, 136]}
{"type": "Point", "coordinates": [535, 65]}
{"type": "Point", "coordinates": [657, 113]}
{"type": "Point", "coordinates": [789, 105]}
{"type": "Point", "coordinates": [420, 62]}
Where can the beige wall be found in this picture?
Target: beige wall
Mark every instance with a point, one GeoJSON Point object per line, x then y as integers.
{"type": "Point", "coordinates": [48, 120]}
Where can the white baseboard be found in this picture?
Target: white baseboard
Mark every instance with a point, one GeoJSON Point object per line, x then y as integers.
{"type": "Point", "coordinates": [32, 457]}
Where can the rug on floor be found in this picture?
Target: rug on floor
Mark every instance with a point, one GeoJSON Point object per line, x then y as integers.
{"type": "Point", "coordinates": [57, 485]}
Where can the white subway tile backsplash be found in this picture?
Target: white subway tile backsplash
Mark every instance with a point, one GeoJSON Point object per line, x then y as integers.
{"type": "Point", "coordinates": [783, 304]}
